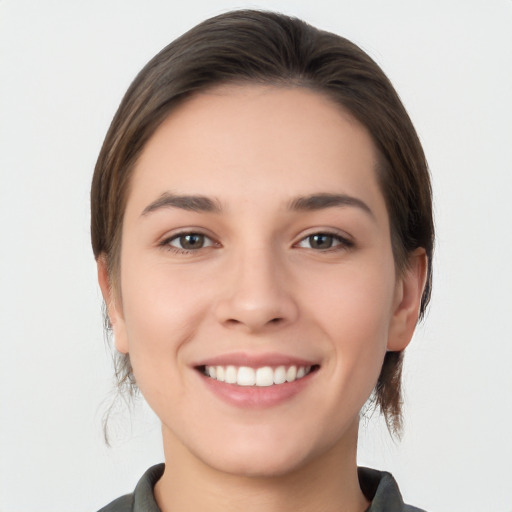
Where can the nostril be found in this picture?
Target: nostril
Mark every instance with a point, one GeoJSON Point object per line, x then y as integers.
{"type": "Point", "coordinates": [233, 321]}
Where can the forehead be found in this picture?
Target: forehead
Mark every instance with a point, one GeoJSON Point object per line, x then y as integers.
{"type": "Point", "coordinates": [270, 141]}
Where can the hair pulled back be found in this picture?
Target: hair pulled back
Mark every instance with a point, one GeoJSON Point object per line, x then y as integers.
{"type": "Point", "coordinates": [271, 49]}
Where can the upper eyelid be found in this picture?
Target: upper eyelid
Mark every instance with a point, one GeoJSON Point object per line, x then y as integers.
{"type": "Point", "coordinates": [334, 232]}
{"type": "Point", "coordinates": [186, 231]}
{"type": "Point", "coordinates": [342, 241]}
{"type": "Point", "coordinates": [165, 242]}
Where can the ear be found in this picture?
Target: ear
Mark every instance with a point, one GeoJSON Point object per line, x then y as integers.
{"type": "Point", "coordinates": [114, 309]}
{"type": "Point", "coordinates": [407, 302]}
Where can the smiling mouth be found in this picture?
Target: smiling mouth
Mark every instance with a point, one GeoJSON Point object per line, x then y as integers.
{"type": "Point", "coordinates": [264, 376]}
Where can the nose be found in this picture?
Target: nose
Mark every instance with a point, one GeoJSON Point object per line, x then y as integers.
{"type": "Point", "coordinates": [257, 294]}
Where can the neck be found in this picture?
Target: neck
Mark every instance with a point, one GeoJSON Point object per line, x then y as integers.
{"type": "Point", "coordinates": [328, 483]}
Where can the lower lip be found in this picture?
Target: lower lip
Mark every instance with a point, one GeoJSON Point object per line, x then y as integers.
{"type": "Point", "coordinates": [256, 396]}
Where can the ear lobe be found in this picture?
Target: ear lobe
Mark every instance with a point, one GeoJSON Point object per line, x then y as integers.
{"type": "Point", "coordinates": [408, 293]}
{"type": "Point", "coordinates": [114, 310]}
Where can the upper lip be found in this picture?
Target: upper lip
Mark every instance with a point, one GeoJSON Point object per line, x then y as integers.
{"type": "Point", "coordinates": [254, 360]}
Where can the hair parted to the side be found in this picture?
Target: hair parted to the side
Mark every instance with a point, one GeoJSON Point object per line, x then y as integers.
{"type": "Point", "coordinates": [274, 49]}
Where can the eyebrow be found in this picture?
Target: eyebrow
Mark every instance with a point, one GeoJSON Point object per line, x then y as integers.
{"type": "Point", "coordinates": [188, 202]}
{"type": "Point", "coordinates": [198, 203]}
{"type": "Point", "coordinates": [321, 201]}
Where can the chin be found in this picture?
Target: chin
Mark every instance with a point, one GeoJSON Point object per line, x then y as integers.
{"type": "Point", "coordinates": [265, 456]}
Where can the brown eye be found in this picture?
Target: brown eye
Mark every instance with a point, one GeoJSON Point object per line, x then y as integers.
{"type": "Point", "coordinates": [320, 241]}
{"type": "Point", "coordinates": [192, 241]}
{"type": "Point", "coordinates": [189, 241]}
{"type": "Point", "coordinates": [325, 241]}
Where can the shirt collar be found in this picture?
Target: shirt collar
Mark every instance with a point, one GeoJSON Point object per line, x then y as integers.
{"type": "Point", "coordinates": [379, 487]}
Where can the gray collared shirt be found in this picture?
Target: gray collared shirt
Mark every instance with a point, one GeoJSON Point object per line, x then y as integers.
{"type": "Point", "coordinates": [379, 487]}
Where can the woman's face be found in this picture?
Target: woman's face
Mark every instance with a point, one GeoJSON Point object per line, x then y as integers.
{"type": "Point", "coordinates": [257, 292]}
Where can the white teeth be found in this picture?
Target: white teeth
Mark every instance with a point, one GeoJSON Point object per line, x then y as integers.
{"type": "Point", "coordinates": [280, 375]}
{"type": "Point", "coordinates": [246, 376]}
{"type": "Point", "coordinates": [231, 375]}
{"type": "Point", "coordinates": [260, 377]}
{"type": "Point", "coordinates": [291, 374]}
{"type": "Point", "coordinates": [264, 376]}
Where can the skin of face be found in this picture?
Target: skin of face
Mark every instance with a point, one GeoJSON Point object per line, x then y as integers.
{"type": "Point", "coordinates": [258, 286]}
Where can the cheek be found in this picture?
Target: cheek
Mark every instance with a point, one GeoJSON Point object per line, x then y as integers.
{"type": "Point", "coordinates": [357, 300]}
{"type": "Point", "coordinates": [162, 310]}
{"type": "Point", "coordinates": [355, 311]}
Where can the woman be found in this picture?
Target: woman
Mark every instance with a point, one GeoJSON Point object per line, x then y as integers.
{"type": "Point", "coordinates": [262, 224]}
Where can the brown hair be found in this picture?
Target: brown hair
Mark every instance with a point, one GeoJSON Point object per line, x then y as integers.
{"type": "Point", "coordinates": [273, 49]}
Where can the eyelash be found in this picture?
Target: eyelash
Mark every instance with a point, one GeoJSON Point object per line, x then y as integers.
{"type": "Point", "coordinates": [342, 243]}
{"type": "Point", "coordinates": [180, 250]}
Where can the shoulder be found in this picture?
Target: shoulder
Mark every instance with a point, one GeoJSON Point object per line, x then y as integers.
{"type": "Point", "coordinates": [142, 498]}
{"type": "Point", "coordinates": [381, 489]}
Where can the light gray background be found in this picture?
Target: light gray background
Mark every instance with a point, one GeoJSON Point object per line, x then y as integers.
{"type": "Point", "coordinates": [64, 67]}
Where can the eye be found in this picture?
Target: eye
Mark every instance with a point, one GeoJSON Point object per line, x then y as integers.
{"type": "Point", "coordinates": [324, 241]}
{"type": "Point", "coordinates": [186, 242]}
